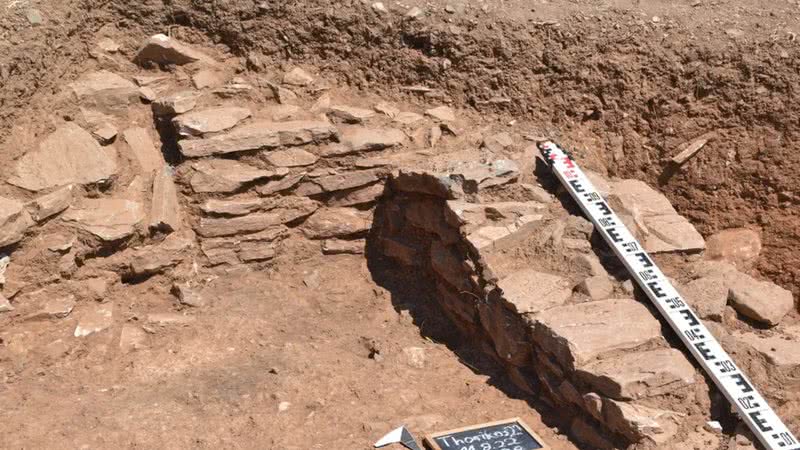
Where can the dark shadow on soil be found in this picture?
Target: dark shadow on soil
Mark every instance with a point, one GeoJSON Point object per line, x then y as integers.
{"type": "Point", "coordinates": [412, 290]}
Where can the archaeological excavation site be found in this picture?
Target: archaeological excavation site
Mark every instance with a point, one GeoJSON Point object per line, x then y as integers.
{"type": "Point", "coordinates": [302, 225]}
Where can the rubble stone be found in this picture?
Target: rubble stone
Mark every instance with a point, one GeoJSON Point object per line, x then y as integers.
{"type": "Point", "coordinates": [49, 205]}
{"type": "Point", "coordinates": [340, 182]}
{"type": "Point", "coordinates": [177, 103]}
{"type": "Point", "coordinates": [258, 136]}
{"type": "Point", "coordinates": [498, 142]}
{"type": "Point", "coordinates": [350, 114]}
{"type": "Point", "coordinates": [153, 259]}
{"type": "Point", "coordinates": [295, 208]}
{"type": "Point", "coordinates": [337, 222]}
{"type": "Point", "coordinates": [14, 221]}
{"type": "Point", "coordinates": [293, 157]}
{"type": "Point", "coordinates": [339, 247]}
{"type": "Point", "coordinates": [54, 308]}
{"type": "Point", "coordinates": [188, 295]}
{"type": "Point", "coordinates": [408, 118]}
{"type": "Point", "coordinates": [357, 196]}
{"type": "Point", "coordinates": [780, 349]}
{"type": "Point", "coordinates": [530, 291]}
{"type": "Point", "coordinates": [224, 175]}
{"type": "Point", "coordinates": [664, 230]}
{"type": "Point", "coordinates": [108, 219]}
{"type": "Point", "coordinates": [707, 296]}
{"type": "Point", "coordinates": [737, 246]}
{"type": "Point", "coordinates": [5, 305]}
{"type": "Point", "coordinates": [576, 334]}
{"type": "Point", "coordinates": [163, 50]}
{"type": "Point", "coordinates": [165, 210]}
{"type": "Point", "coordinates": [598, 287]}
{"type": "Point", "coordinates": [105, 90]}
{"type": "Point", "coordinates": [359, 139]}
{"type": "Point", "coordinates": [637, 422]}
{"type": "Point", "coordinates": [639, 374]}
{"type": "Point", "coordinates": [212, 120]}
{"type": "Point", "coordinates": [148, 157]}
{"type": "Point", "coordinates": [96, 319]}
{"type": "Point", "coordinates": [280, 185]}
{"type": "Point", "coordinates": [70, 155]}
{"type": "Point", "coordinates": [298, 77]}
{"type": "Point", "coordinates": [442, 113]}
{"type": "Point", "coordinates": [234, 207]}
{"type": "Point", "coordinates": [385, 108]}
{"type": "Point", "coordinates": [762, 301]}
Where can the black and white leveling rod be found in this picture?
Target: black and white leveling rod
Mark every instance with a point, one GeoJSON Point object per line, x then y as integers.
{"type": "Point", "coordinates": [751, 406]}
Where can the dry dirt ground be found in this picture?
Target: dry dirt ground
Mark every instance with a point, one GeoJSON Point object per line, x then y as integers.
{"type": "Point", "coordinates": [314, 351]}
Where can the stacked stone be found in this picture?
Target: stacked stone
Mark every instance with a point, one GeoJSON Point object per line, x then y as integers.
{"type": "Point", "coordinates": [598, 354]}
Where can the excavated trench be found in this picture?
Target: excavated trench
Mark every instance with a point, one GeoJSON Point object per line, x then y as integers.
{"type": "Point", "coordinates": [623, 107]}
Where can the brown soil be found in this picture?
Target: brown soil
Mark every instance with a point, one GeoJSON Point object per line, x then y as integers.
{"type": "Point", "coordinates": [624, 84]}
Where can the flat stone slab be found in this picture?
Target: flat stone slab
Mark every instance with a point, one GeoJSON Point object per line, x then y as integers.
{"type": "Point", "coordinates": [577, 334]}
{"type": "Point", "coordinates": [337, 222]}
{"type": "Point", "coordinates": [360, 139]}
{"type": "Point", "coordinates": [639, 374]}
{"type": "Point", "coordinates": [707, 296]}
{"type": "Point", "coordinates": [162, 49]}
{"type": "Point", "coordinates": [780, 349]}
{"type": "Point", "coordinates": [663, 228]}
{"type": "Point", "coordinates": [232, 207]}
{"type": "Point", "coordinates": [212, 120]}
{"type": "Point", "coordinates": [763, 301]}
{"type": "Point", "coordinates": [70, 155]}
{"type": "Point", "coordinates": [292, 157]}
{"type": "Point", "coordinates": [14, 221]}
{"type": "Point", "coordinates": [105, 90]}
{"type": "Point", "coordinates": [49, 205]}
{"type": "Point", "coordinates": [257, 136]}
{"type": "Point", "coordinates": [145, 153]}
{"type": "Point", "coordinates": [637, 422]}
{"type": "Point", "coordinates": [291, 208]}
{"type": "Point", "coordinates": [224, 175]}
{"type": "Point", "coordinates": [165, 209]}
{"type": "Point", "coordinates": [94, 320]}
{"type": "Point", "coordinates": [108, 219]}
{"type": "Point", "coordinates": [530, 291]}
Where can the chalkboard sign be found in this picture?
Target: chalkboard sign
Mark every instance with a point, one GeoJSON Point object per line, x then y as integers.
{"type": "Point", "coordinates": [511, 434]}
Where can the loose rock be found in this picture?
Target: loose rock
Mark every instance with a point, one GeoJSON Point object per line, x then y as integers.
{"type": "Point", "coordinates": [408, 118]}
{"type": "Point", "coordinates": [96, 319]}
{"type": "Point", "coordinates": [5, 305]}
{"type": "Point", "coordinates": [298, 77]}
{"type": "Point", "coordinates": [55, 308]}
{"type": "Point", "coordinates": [762, 301]}
{"type": "Point", "coordinates": [14, 221]}
{"type": "Point", "coordinates": [337, 222]}
{"type": "Point", "coordinates": [146, 155]}
{"type": "Point", "coordinates": [70, 155]}
{"type": "Point", "coordinates": [106, 91]}
{"type": "Point", "coordinates": [350, 114]}
{"type": "Point", "coordinates": [258, 136]}
{"type": "Point", "coordinates": [442, 113]}
{"type": "Point", "coordinates": [293, 157]}
{"type": "Point", "coordinates": [165, 210]}
{"type": "Point", "coordinates": [639, 374]}
{"type": "Point", "coordinates": [529, 291]}
{"type": "Point", "coordinates": [637, 422]}
{"type": "Point", "coordinates": [576, 334]}
{"type": "Point", "coordinates": [224, 175]}
{"type": "Point", "coordinates": [161, 49]}
{"type": "Point", "coordinates": [178, 103]}
{"type": "Point", "coordinates": [387, 109]}
{"type": "Point", "coordinates": [781, 350]}
{"type": "Point", "coordinates": [358, 139]}
{"type": "Point", "coordinates": [340, 247]}
{"type": "Point", "coordinates": [211, 120]}
{"type": "Point", "coordinates": [597, 287]}
{"type": "Point", "coordinates": [188, 295]}
{"type": "Point", "coordinates": [108, 219]}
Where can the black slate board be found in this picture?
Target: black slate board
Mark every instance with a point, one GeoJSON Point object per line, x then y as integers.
{"type": "Point", "coordinates": [511, 434]}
